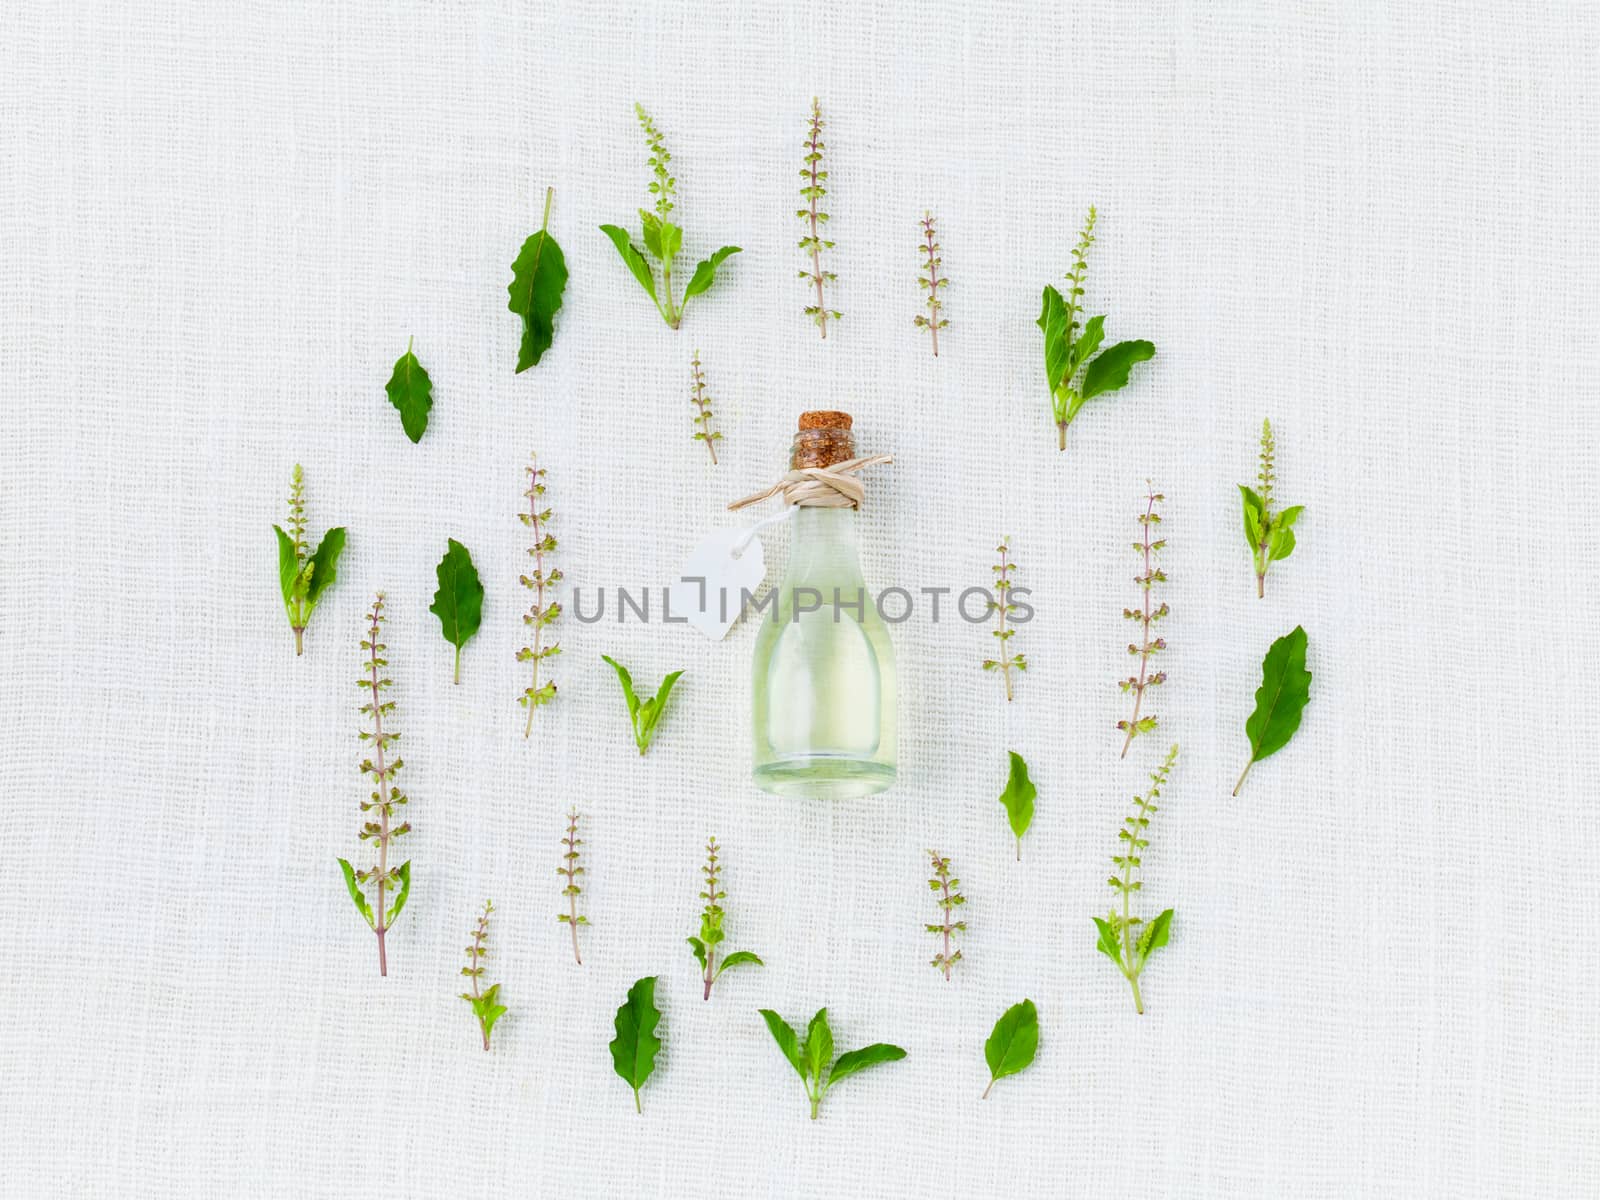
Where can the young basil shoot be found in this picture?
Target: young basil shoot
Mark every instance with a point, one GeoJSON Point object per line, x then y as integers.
{"type": "Point", "coordinates": [645, 713]}
{"type": "Point", "coordinates": [1270, 536]}
{"type": "Point", "coordinates": [1124, 937]}
{"type": "Point", "coordinates": [811, 1060]}
{"type": "Point", "coordinates": [711, 934]}
{"type": "Point", "coordinates": [486, 1005]}
{"type": "Point", "coordinates": [304, 574]}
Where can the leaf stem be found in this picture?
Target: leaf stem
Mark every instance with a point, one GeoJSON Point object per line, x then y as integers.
{"type": "Point", "coordinates": [549, 199]}
{"type": "Point", "coordinates": [988, 1089]}
{"type": "Point", "coordinates": [1245, 772]}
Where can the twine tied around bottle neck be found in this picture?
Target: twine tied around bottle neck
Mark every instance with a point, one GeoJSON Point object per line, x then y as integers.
{"type": "Point", "coordinates": [819, 487]}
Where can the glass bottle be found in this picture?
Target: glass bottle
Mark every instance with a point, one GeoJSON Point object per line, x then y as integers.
{"type": "Point", "coordinates": [823, 681]}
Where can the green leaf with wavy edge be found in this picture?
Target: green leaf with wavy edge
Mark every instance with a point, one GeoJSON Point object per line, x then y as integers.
{"type": "Point", "coordinates": [1013, 1043]}
{"type": "Point", "coordinates": [538, 279]}
{"type": "Point", "coordinates": [737, 958]}
{"type": "Point", "coordinates": [634, 260]}
{"type": "Point", "coordinates": [1280, 700]}
{"type": "Point", "coordinates": [288, 570]}
{"type": "Point", "coordinates": [459, 601]}
{"type": "Point", "coordinates": [411, 391]}
{"type": "Point", "coordinates": [633, 1050]}
{"type": "Point", "coordinates": [705, 273]}
{"type": "Point", "coordinates": [324, 566]}
{"type": "Point", "coordinates": [1018, 799]}
{"type": "Point", "coordinates": [1109, 372]}
{"type": "Point", "coordinates": [354, 887]}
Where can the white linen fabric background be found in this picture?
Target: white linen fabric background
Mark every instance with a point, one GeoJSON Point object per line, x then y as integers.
{"type": "Point", "coordinates": [1375, 224]}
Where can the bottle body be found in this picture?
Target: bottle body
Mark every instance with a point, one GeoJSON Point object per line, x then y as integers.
{"type": "Point", "coordinates": [823, 680]}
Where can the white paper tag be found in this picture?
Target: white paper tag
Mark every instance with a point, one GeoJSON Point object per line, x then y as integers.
{"type": "Point", "coordinates": [710, 589]}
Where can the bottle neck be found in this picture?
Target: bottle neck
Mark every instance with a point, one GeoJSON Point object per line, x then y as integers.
{"type": "Point", "coordinates": [823, 542]}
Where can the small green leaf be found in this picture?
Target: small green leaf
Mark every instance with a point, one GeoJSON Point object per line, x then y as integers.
{"type": "Point", "coordinates": [1282, 544]}
{"type": "Point", "coordinates": [411, 391]}
{"type": "Point", "coordinates": [699, 949]}
{"type": "Point", "coordinates": [1109, 372]}
{"type": "Point", "coordinates": [1094, 332]}
{"type": "Point", "coordinates": [489, 1010]}
{"type": "Point", "coordinates": [401, 896]}
{"type": "Point", "coordinates": [288, 570]}
{"type": "Point", "coordinates": [859, 1060]}
{"type": "Point", "coordinates": [1057, 350]}
{"type": "Point", "coordinates": [538, 279]}
{"type": "Point", "coordinates": [1013, 1043]}
{"type": "Point", "coordinates": [737, 958]}
{"type": "Point", "coordinates": [644, 713]}
{"type": "Point", "coordinates": [652, 232]}
{"type": "Point", "coordinates": [784, 1035]}
{"type": "Point", "coordinates": [819, 1045]}
{"type": "Point", "coordinates": [459, 601]}
{"type": "Point", "coordinates": [1253, 512]}
{"type": "Point", "coordinates": [1018, 799]}
{"type": "Point", "coordinates": [631, 256]}
{"type": "Point", "coordinates": [325, 563]}
{"type": "Point", "coordinates": [1108, 943]}
{"type": "Point", "coordinates": [355, 890]}
{"type": "Point", "coordinates": [1280, 700]}
{"type": "Point", "coordinates": [626, 680]}
{"type": "Point", "coordinates": [705, 273]}
{"type": "Point", "coordinates": [633, 1050]}
{"type": "Point", "coordinates": [1155, 935]}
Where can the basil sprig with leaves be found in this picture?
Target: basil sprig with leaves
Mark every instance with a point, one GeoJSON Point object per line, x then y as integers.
{"type": "Point", "coordinates": [645, 714]}
{"type": "Point", "coordinates": [304, 574]}
{"type": "Point", "coordinates": [811, 1060]}
{"type": "Point", "coordinates": [1070, 345]}
{"type": "Point", "coordinates": [662, 238]}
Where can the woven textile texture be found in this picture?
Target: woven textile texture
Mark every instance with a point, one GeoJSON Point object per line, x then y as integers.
{"type": "Point", "coordinates": [1374, 223]}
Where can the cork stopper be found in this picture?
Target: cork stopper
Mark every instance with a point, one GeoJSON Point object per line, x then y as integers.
{"type": "Point", "coordinates": [824, 439]}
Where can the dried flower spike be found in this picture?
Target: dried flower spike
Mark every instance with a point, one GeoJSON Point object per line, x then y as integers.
{"type": "Point", "coordinates": [814, 243]}
{"type": "Point", "coordinates": [486, 1005]}
{"type": "Point", "coordinates": [384, 800]}
{"type": "Point", "coordinates": [703, 418]}
{"type": "Point", "coordinates": [931, 283]}
{"type": "Point", "coordinates": [1269, 537]}
{"type": "Point", "coordinates": [572, 891]}
{"type": "Point", "coordinates": [949, 900]}
{"type": "Point", "coordinates": [1147, 616]}
{"type": "Point", "coordinates": [1124, 938]}
{"type": "Point", "coordinates": [304, 574]}
{"type": "Point", "coordinates": [711, 935]}
{"type": "Point", "coordinates": [539, 614]}
{"type": "Point", "coordinates": [1003, 609]}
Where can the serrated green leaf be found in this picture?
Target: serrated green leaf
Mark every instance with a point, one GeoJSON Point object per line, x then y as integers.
{"type": "Point", "coordinates": [818, 1049]}
{"type": "Point", "coordinates": [411, 391]}
{"type": "Point", "coordinates": [354, 887]}
{"type": "Point", "coordinates": [784, 1035]}
{"type": "Point", "coordinates": [1018, 799]}
{"type": "Point", "coordinates": [634, 260]}
{"type": "Point", "coordinates": [1109, 372]}
{"type": "Point", "coordinates": [859, 1060]}
{"type": "Point", "coordinates": [633, 1050]}
{"type": "Point", "coordinates": [705, 272]}
{"type": "Point", "coordinates": [1108, 943]}
{"type": "Point", "coordinates": [1014, 1042]}
{"type": "Point", "coordinates": [401, 896]}
{"type": "Point", "coordinates": [538, 281]}
{"type": "Point", "coordinates": [1094, 332]}
{"type": "Point", "coordinates": [1280, 700]}
{"type": "Point", "coordinates": [739, 957]}
{"type": "Point", "coordinates": [288, 570]}
{"type": "Point", "coordinates": [459, 601]}
{"type": "Point", "coordinates": [324, 566]}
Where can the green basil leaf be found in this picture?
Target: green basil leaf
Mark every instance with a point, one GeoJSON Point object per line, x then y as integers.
{"type": "Point", "coordinates": [631, 256]}
{"type": "Point", "coordinates": [705, 274]}
{"type": "Point", "coordinates": [1280, 700]}
{"type": "Point", "coordinates": [652, 232]}
{"type": "Point", "coordinates": [538, 280]}
{"type": "Point", "coordinates": [1109, 372]}
{"type": "Point", "coordinates": [1252, 517]}
{"type": "Point", "coordinates": [633, 1050]}
{"type": "Point", "coordinates": [1155, 935]}
{"type": "Point", "coordinates": [1014, 1042]}
{"type": "Point", "coordinates": [819, 1044]}
{"type": "Point", "coordinates": [626, 680]}
{"type": "Point", "coordinates": [288, 569]}
{"type": "Point", "coordinates": [699, 949]}
{"type": "Point", "coordinates": [411, 391]}
{"type": "Point", "coordinates": [1108, 943]}
{"type": "Point", "coordinates": [1057, 350]}
{"type": "Point", "coordinates": [355, 890]}
{"type": "Point", "coordinates": [737, 958]}
{"type": "Point", "coordinates": [459, 601]}
{"type": "Point", "coordinates": [859, 1060]}
{"type": "Point", "coordinates": [786, 1039]}
{"type": "Point", "coordinates": [1094, 333]}
{"type": "Point", "coordinates": [324, 565]}
{"type": "Point", "coordinates": [1018, 799]}
{"type": "Point", "coordinates": [401, 896]}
